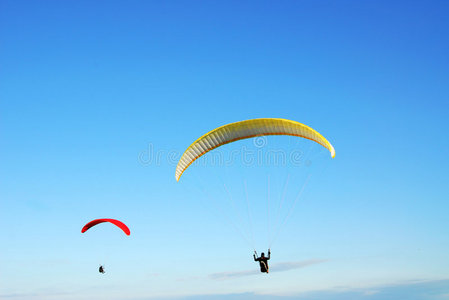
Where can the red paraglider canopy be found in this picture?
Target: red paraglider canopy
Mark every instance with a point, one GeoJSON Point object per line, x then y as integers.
{"type": "Point", "coordinates": [117, 223]}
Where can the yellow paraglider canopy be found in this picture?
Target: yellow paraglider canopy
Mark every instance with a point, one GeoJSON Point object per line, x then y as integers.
{"type": "Point", "coordinates": [247, 129]}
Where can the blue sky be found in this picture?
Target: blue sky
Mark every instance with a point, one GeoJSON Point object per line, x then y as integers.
{"type": "Point", "coordinates": [91, 93]}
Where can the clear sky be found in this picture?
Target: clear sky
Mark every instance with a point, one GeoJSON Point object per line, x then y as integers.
{"type": "Point", "coordinates": [99, 98]}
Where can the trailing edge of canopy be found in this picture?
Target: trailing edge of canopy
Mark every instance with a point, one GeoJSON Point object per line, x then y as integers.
{"type": "Point", "coordinates": [247, 129]}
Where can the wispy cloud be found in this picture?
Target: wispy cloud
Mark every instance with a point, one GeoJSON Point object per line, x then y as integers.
{"type": "Point", "coordinates": [228, 275]}
{"type": "Point", "coordinates": [418, 290]}
{"type": "Point", "coordinates": [286, 266]}
{"type": "Point", "coordinates": [278, 267]}
{"type": "Point", "coordinates": [42, 295]}
{"type": "Point", "coordinates": [188, 278]}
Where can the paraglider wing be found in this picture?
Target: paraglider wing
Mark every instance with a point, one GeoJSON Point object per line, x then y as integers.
{"type": "Point", "coordinates": [117, 223]}
{"type": "Point", "coordinates": [247, 129]}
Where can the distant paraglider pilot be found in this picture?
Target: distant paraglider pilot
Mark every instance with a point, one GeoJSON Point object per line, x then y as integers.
{"type": "Point", "coordinates": [263, 261]}
{"type": "Point", "coordinates": [101, 269]}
